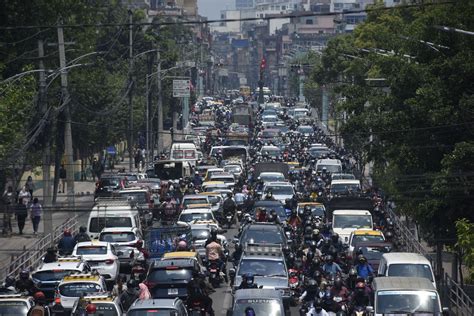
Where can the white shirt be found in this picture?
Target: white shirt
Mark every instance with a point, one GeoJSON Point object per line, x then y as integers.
{"type": "Point", "coordinates": [312, 312]}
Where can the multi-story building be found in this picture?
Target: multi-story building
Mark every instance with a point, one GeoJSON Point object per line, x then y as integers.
{"type": "Point", "coordinates": [244, 4]}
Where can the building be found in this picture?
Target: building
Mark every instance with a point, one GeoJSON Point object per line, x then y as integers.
{"type": "Point", "coordinates": [244, 4]}
{"type": "Point", "coordinates": [228, 27]}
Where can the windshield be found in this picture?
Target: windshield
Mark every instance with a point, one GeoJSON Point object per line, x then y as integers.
{"type": "Point", "coordinates": [271, 177]}
{"type": "Point", "coordinates": [352, 221]}
{"type": "Point", "coordinates": [92, 250]}
{"type": "Point", "coordinates": [117, 236]}
{"type": "Point", "coordinates": [317, 152]}
{"type": "Point", "coordinates": [373, 252]}
{"type": "Point", "coordinates": [316, 210]}
{"type": "Point", "coordinates": [13, 308]}
{"type": "Point", "coordinates": [79, 288]}
{"type": "Point", "coordinates": [169, 275]}
{"type": "Point", "coordinates": [110, 182]}
{"type": "Point", "coordinates": [269, 133]}
{"type": "Point", "coordinates": [52, 275]}
{"type": "Point", "coordinates": [195, 216]}
{"type": "Point", "coordinates": [139, 197]}
{"type": "Point", "coordinates": [98, 223]}
{"type": "Point", "coordinates": [366, 238]}
{"type": "Point", "coordinates": [262, 236]}
{"type": "Point", "coordinates": [280, 189]}
{"type": "Point", "coordinates": [411, 270]}
{"type": "Point", "coordinates": [200, 234]}
{"type": "Point", "coordinates": [104, 309]}
{"type": "Point", "coordinates": [260, 306]}
{"type": "Point", "coordinates": [152, 312]}
{"type": "Point", "coordinates": [305, 129]}
{"type": "Point", "coordinates": [259, 267]}
{"type": "Point", "coordinates": [330, 168]}
{"type": "Point", "coordinates": [223, 179]}
{"type": "Point", "coordinates": [233, 169]}
{"type": "Point", "coordinates": [344, 188]}
{"type": "Point", "coordinates": [397, 302]}
{"type": "Point", "coordinates": [269, 119]}
{"type": "Point", "coordinates": [187, 202]}
{"type": "Point", "coordinates": [169, 171]}
{"type": "Point", "coordinates": [273, 152]}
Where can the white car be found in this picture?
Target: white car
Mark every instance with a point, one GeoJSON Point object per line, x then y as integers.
{"type": "Point", "coordinates": [196, 214]}
{"type": "Point", "coordinates": [101, 257]}
{"type": "Point", "coordinates": [15, 304]}
{"type": "Point", "coordinates": [124, 240]}
{"type": "Point", "coordinates": [72, 287]}
{"type": "Point", "coordinates": [280, 190]}
{"type": "Point", "coordinates": [271, 176]}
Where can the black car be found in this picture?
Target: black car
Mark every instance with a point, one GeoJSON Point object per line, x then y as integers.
{"type": "Point", "coordinates": [261, 234]}
{"type": "Point", "coordinates": [169, 278]}
{"type": "Point", "coordinates": [269, 205]}
{"type": "Point", "coordinates": [107, 184]}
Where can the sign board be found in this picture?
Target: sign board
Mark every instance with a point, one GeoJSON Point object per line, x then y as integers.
{"type": "Point", "coordinates": [181, 88]}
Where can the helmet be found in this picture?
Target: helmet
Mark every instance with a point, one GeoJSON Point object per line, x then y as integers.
{"type": "Point", "coordinates": [39, 296]}
{"type": "Point", "coordinates": [361, 259]}
{"type": "Point", "coordinates": [338, 283]}
{"type": "Point", "coordinates": [229, 195]}
{"type": "Point", "coordinates": [91, 309]}
{"type": "Point", "coordinates": [312, 284]}
{"type": "Point", "coordinates": [139, 243]}
{"type": "Point", "coordinates": [294, 213]}
{"type": "Point", "coordinates": [329, 259]}
{"type": "Point", "coordinates": [24, 274]}
{"type": "Point", "coordinates": [360, 285]}
{"type": "Point", "coordinates": [214, 233]}
{"type": "Point", "coordinates": [131, 284]}
{"type": "Point", "coordinates": [315, 232]}
{"type": "Point", "coordinates": [182, 245]}
{"type": "Point", "coordinates": [82, 229]}
{"type": "Point", "coordinates": [317, 274]}
{"type": "Point", "coordinates": [67, 232]}
{"type": "Point", "coordinates": [335, 237]}
{"type": "Point", "coordinates": [307, 209]}
{"type": "Point", "coordinates": [310, 256]}
{"type": "Point", "coordinates": [313, 245]}
{"type": "Point", "coordinates": [352, 272]}
{"type": "Point", "coordinates": [250, 278]}
{"type": "Point", "coordinates": [249, 311]}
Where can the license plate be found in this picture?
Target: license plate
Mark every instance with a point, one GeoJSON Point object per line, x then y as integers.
{"type": "Point", "coordinates": [213, 270]}
{"type": "Point", "coordinates": [172, 291]}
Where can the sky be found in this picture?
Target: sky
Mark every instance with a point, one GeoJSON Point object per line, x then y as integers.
{"type": "Point", "coordinates": [212, 8]}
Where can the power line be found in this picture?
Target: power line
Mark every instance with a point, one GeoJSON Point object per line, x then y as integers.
{"type": "Point", "coordinates": [205, 22]}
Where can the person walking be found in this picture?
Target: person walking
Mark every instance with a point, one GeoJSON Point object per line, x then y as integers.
{"type": "Point", "coordinates": [21, 214]}
{"type": "Point", "coordinates": [25, 195]}
{"type": "Point", "coordinates": [95, 169]}
{"type": "Point", "coordinates": [62, 178]}
{"type": "Point", "coordinates": [35, 214]}
{"type": "Point", "coordinates": [30, 186]}
{"type": "Point", "coordinates": [8, 200]}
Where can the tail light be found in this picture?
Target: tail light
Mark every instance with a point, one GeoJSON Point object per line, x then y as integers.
{"type": "Point", "coordinates": [57, 301]}
{"type": "Point", "coordinates": [109, 261]}
{"type": "Point", "coordinates": [149, 284]}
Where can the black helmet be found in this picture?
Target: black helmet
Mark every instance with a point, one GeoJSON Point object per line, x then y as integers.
{"type": "Point", "coordinates": [313, 245]}
{"type": "Point", "coordinates": [338, 283]}
{"type": "Point", "coordinates": [353, 272]}
{"type": "Point", "coordinates": [329, 258]}
{"type": "Point", "coordinates": [214, 233]}
{"type": "Point", "coordinates": [132, 284]}
{"type": "Point", "coordinates": [310, 255]}
{"type": "Point", "coordinates": [24, 274]}
{"type": "Point", "coordinates": [249, 311]}
{"type": "Point", "coordinates": [250, 278]}
{"type": "Point", "coordinates": [82, 229]}
{"type": "Point", "coordinates": [312, 285]}
{"type": "Point", "coordinates": [229, 195]}
{"type": "Point", "coordinates": [335, 237]}
{"type": "Point", "coordinates": [361, 259]}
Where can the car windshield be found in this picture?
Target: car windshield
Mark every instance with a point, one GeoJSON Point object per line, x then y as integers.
{"type": "Point", "coordinates": [260, 306]}
{"type": "Point", "coordinates": [169, 275]}
{"type": "Point", "coordinates": [373, 252]}
{"type": "Point", "coordinates": [366, 238]}
{"type": "Point", "coordinates": [399, 302]}
{"type": "Point", "coordinates": [92, 250]}
{"type": "Point", "coordinates": [280, 189]}
{"type": "Point", "coordinates": [77, 289]}
{"type": "Point", "coordinates": [262, 236]}
{"type": "Point", "coordinates": [200, 234]}
{"type": "Point", "coordinates": [232, 169]}
{"type": "Point", "coordinates": [152, 312]}
{"type": "Point", "coordinates": [272, 177]}
{"type": "Point", "coordinates": [269, 133]}
{"type": "Point", "coordinates": [269, 119]}
{"type": "Point", "coordinates": [317, 152]}
{"type": "Point", "coordinates": [344, 188]}
{"type": "Point", "coordinates": [259, 267]}
{"type": "Point", "coordinates": [352, 221]}
{"type": "Point", "coordinates": [98, 223]}
{"type": "Point", "coordinates": [117, 236]}
{"type": "Point", "coordinates": [317, 210]}
{"type": "Point", "coordinates": [330, 168]}
{"type": "Point", "coordinates": [195, 216]}
{"type": "Point", "coordinates": [271, 152]}
{"type": "Point", "coordinates": [52, 275]}
{"type": "Point", "coordinates": [194, 201]}
{"type": "Point", "coordinates": [104, 309]}
{"type": "Point", "coordinates": [13, 308]}
{"type": "Point", "coordinates": [305, 129]}
{"type": "Point", "coordinates": [411, 270]}
{"type": "Point", "coordinates": [139, 197]}
{"type": "Point", "coordinates": [110, 182]}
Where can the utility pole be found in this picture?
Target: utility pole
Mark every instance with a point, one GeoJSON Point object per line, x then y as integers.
{"type": "Point", "coordinates": [148, 106]}
{"type": "Point", "coordinates": [160, 104]}
{"type": "Point", "coordinates": [130, 93]}
{"type": "Point", "coordinates": [67, 115]}
{"type": "Point", "coordinates": [261, 81]}
{"type": "Point", "coordinates": [43, 108]}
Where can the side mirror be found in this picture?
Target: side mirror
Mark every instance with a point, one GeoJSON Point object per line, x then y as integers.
{"type": "Point", "coordinates": [445, 311]}
{"type": "Point", "coordinates": [369, 310]}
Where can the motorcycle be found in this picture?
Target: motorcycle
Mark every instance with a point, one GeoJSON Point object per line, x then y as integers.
{"type": "Point", "coordinates": [229, 219]}
{"type": "Point", "coordinates": [214, 271]}
{"type": "Point", "coordinates": [359, 311]}
{"type": "Point", "coordinates": [295, 284]}
{"type": "Point", "coordinates": [197, 308]}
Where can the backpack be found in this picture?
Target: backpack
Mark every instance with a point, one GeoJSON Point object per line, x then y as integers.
{"type": "Point", "coordinates": [37, 310]}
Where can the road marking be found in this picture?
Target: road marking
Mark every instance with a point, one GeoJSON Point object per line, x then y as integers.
{"type": "Point", "coordinates": [227, 301]}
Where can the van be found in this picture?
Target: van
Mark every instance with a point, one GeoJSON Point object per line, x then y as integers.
{"type": "Point", "coordinates": [331, 165]}
{"type": "Point", "coordinates": [344, 222]}
{"type": "Point", "coordinates": [406, 264]}
{"type": "Point", "coordinates": [344, 187]}
{"type": "Point", "coordinates": [111, 215]}
{"type": "Point", "coordinates": [185, 151]}
{"type": "Point", "coordinates": [405, 296]}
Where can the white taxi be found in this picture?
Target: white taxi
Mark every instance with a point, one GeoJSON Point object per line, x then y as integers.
{"type": "Point", "coordinates": [105, 304]}
{"type": "Point", "coordinates": [101, 257]}
{"type": "Point", "coordinates": [15, 304]}
{"type": "Point", "coordinates": [72, 287]}
{"type": "Point", "coordinates": [124, 240]}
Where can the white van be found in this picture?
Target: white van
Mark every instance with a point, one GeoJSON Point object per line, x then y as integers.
{"type": "Point", "coordinates": [406, 264]}
{"type": "Point", "coordinates": [405, 296]}
{"type": "Point", "coordinates": [331, 165]}
{"type": "Point", "coordinates": [344, 187]}
{"type": "Point", "coordinates": [344, 222]}
{"type": "Point", "coordinates": [103, 216]}
{"type": "Point", "coordinates": [184, 152]}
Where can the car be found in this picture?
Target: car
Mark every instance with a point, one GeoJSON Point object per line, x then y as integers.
{"type": "Point", "coordinates": [105, 303]}
{"type": "Point", "coordinates": [200, 233]}
{"type": "Point", "coordinates": [15, 304]}
{"type": "Point", "coordinates": [101, 257]}
{"type": "Point", "coordinates": [271, 176]}
{"type": "Point", "coordinates": [372, 251]}
{"type": "Point", "coordinates": [234, 169]}
{"type": "Point", "coordinates": [331, 165]}
{"type": "Point", "coordinates": [342, 176]}
{"type": "Point", "coordinates": [364, 235]}
{"type": "Point", "coordinates": [271, 151]}
{"type": "Point", "coordinates": [261, 233]}
{"type": "Point", "coordinates": [72, 287]}
{"type": "Point", "coordinates": [194, 199]}
{"type": "Point", "coordinates": [262, 301]}
{"type": "Point", "coordinates": [268, 134]}
{"type": "Point", "coordinates": [344, 187]}
{"type": "Point", "coordinates": [124, 240]}
{"type": "Point", "coordinates": [197, 213]}
{"type": "Point", "coordinates": [280, 190]}
{"type": "Point", "coordinates": [344, 222]}
{"type": "Point", "coordinates": [141, 197]}
{"type": "Point", "coordinates": [305, 130]}
{"type": "Point", "coordinates": [317, 209]}
{"type": "Point", "coordinates": [147, 307]}
{"type": "Point", "coordinates": [269, 205]}
{"type": "Point", "coordinates": [107, 184]}
{"type": "Point", "coordinates": [48, 275]}
{"type": "Point", "coordinates": [269, 120]}
{"type": "Point", "coordinates": [226, 177]}
{"type": "Point", "coordinates": [169, 278]}
{"type": "Point", "coordinates": [318, 151]}
{"type": "Point", "coordinates": [170, 256]}
{"type": "Point", "coordinates": [267, 264]}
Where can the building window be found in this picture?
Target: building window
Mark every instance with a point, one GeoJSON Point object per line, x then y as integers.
{"type": "Point", "coordinates": [309, 21]}
{"type": "Point", "coordinates": [283, 7]}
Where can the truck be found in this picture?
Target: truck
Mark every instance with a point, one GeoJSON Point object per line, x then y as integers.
{"type": "Point", "coordinates": [160, 240]}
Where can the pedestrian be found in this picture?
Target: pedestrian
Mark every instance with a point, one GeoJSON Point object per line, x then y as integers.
{"type": "Point", "coordinates": [62, 178]}
{"type": "Point", "coordinates": [95, 169]}
{"type": "Point", "coordinates": [21, 214]}
{"type": "Point", "coordinates": [35, 214]}
{"type": "Point", "coordinates": [30, 186]}
{"type": "Point", "coordinates": [25, 195]}
{"type": "Point", "coordinates": [8, 200]}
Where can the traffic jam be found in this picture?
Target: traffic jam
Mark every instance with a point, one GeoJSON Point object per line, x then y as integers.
{"type": "Point", "coordinates": [254, 210]}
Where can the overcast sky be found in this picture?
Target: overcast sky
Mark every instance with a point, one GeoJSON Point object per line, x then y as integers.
{"type": "Point", "coordinates": [212, 8]}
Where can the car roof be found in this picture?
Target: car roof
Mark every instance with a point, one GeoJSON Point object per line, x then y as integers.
{"type": "Point", "coordinates": [270, 173]}
{"type": "Point", "coordinates": [367, 232]}
{"type": "Point", "coordinates": [329, 162]}
{"type": "Point", "coordinates": [178, 262]}
{"type": "Point", "coordinates": [351, 212]}
{"type": "Point", "coordinates": [345, 181]}
{"type": "Point", "coordinates": [118, 229]}
{"type": "Point", "coordinates": [154, 303]}
{"type": "Point", "coordinates": [94, 242]}
{"type": "Point", "coordinates": [263, 226]}
{"type": "Point", "coordinates": [278, 183]}
{"type": "Point", "coordinates": [266, 202]}
{"type": "Point", "coordinates": [403, 283]}
{"type": "Point", "coordinates": [73, 264]}
{"type": "Point", "coordinates": [257, 293]}
{"type": "Point", "coordinates": [405, 257]}
{"type": "Point", "coordinates": [196, 210]}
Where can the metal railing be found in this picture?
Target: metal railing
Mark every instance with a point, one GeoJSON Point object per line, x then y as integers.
{"type": "Point", "coordinates": [32, 257]}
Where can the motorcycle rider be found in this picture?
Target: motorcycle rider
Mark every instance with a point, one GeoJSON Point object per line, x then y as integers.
{"type": "Point", "coordinates": [215, 252]}
{"type": "Point", "coordinates": [51, 255]}
{"type": "Point", "coordinates": [130, 294]}
{"type": "Point", "coordinates": [364, 269]}
{"type": "Point", "coordinates": [24, 283]}
{"type": "Point", "coordinates": [294, 220]}
{"type": "Point", "coordinates": [339, 291]}
{"type": "Point", "coordinates": [330, 267]}
{"type": "Point", "coordinates": [311, 292]}
{"type": "Point", "coordinates": [197, 179]}
{"type": "Point", "coordinates": [199, 291]}
{"type": "Point", "coordinates": [317, 309]}
{"type": "Point", "coordinates": [66, 243]}
{"type": "Point", "coordinates": [82, 235]}
{"type": "Point", "coordinates": [360, 297]}
{"type": "Point", "coordinates": [274, 218]}
{"type": "Point", "coordinates": [248, 282]}
{"type": "Point", "coordinates": [229, 206]}
{"type": "Point", "coordinates": [40, 307]}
